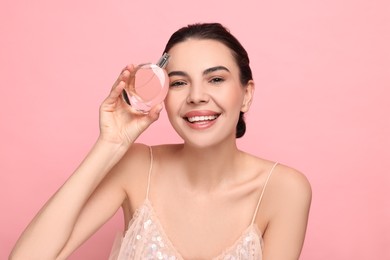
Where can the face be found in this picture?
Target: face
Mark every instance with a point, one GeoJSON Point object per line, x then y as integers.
{"type": "Point", "coordinates": [205, 94]}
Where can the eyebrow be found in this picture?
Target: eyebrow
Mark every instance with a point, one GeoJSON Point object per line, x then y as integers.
{"type": "Point", "coordinates": [177, 73]}
{"type": "Point", "coordinates": [205, 72]}
{"type": "Point", "coordinates": [212, 69]}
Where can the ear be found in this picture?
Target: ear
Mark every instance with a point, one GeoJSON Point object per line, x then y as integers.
{"type": "Point", "coordinates": [248, 96]}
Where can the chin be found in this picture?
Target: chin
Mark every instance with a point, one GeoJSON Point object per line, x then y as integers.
{"type": "Point", "coordinates": [207, 142]}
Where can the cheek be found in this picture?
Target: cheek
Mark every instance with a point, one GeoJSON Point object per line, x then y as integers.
{"type": "Point", "coordinates": [172, 102]}
{"type": "Point", "coordinates": [168, 104]}
{"type": "Point", "coordinates": [233, 98]}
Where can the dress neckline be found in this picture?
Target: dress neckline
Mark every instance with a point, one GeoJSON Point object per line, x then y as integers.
{"type": "Point", "coordinates": [252, 229]}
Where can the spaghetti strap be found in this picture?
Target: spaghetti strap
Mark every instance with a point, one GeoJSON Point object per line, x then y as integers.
{"type": "Point", "coordinates": [150, 171]}
{"type": "Point", "coordinates": [262, 192]}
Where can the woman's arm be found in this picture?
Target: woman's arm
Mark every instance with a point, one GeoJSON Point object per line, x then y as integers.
{"type": "Point", "coordinates": [51, 228]}
{"type": "Point", "coordinates": [87, 199]}
{"type": "Point", "coordinates": [109, 196]}
{"type": "Point", "coordinates": [289, 194]}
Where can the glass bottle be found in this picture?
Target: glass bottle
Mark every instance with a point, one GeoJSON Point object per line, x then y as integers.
{"type": "Point", "coordinates": [150, 86]}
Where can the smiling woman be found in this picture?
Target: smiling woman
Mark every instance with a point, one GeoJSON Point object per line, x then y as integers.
{"type": "Point", "coordinates": [206, 72]}
{"type": "Point", "coordinates": [201, 199]}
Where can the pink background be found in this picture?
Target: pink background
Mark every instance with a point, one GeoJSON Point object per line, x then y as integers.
{"type": "Point", "coordinates": [321, 105]}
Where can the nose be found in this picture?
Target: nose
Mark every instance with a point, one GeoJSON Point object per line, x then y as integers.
{"type": "Point", "coordinates": [197, 94]}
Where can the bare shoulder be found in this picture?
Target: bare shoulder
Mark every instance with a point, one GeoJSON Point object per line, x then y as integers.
{"type": "Point", "coordinates": [290, 180]}
{"type": "Point", "coordinates": [285, 185]}
{"type": "Point", "coordinates": [284, 177]}
{"type": "Point", "coordinates": [135, 164]}
{"type": "Point", "coordinates": [289, 190]}
{"type": "Point", "coordinates": [284, 212]}
{"type": "Point", "coordinates": [138, 156]}
{"type": "Point", "coordinates": [133, 169]}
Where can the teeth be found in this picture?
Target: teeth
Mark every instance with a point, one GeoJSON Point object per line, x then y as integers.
{"type": "Point", "coordinates": [201, 118]}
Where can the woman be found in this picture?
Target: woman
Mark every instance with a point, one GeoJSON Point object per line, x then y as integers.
{"type": "Point", "coordinates": [202, 199]}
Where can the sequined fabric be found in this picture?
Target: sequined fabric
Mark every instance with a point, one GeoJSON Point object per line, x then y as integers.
{"type": "Point", "coordinates": [146, 239]}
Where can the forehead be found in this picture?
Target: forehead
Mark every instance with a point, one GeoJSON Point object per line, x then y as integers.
{"type": "Point", "coordinates": [200, 54]}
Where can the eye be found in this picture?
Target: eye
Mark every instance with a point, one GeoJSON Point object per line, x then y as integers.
{"type": "Point", "coordinates": [177, 84]}
{"type": "Point", "coordinates": [216, 80]}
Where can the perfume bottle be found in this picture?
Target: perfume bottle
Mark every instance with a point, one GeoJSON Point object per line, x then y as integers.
{"type": "Point", "coordinates": [150, 86]}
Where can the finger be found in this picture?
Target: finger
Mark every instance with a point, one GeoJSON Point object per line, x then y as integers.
{"type": "Point", "coordinates": [130, 79]}
{"type": "Point", "coordinates": [122, 81]}
{"type": "Point", "coordinates": [154, 113]}
{"type": "Point", "coordinates": [124, 75]}
{"type": "Point", "coordinates": [115, 93]}
{"type": "Point", "coordinates": [120, 78]}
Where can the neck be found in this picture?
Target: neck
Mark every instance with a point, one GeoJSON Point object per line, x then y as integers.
{"type": "Point", "coordinates": [209, 168]}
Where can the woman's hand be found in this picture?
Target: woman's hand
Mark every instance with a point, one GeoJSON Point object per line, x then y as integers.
{"type": "Point", "coordinates": [119, 122]}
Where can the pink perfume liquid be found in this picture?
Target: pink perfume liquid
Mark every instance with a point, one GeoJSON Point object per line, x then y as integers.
{"type": "Point", "coordinates": [150, 87]}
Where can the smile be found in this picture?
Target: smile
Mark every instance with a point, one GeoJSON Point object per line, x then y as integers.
{"type": "Point", "coordinates": [195, 119]}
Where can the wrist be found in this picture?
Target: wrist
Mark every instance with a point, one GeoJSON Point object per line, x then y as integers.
{"type": "Point", "coordinates": [115, 144]}
{"type": "Point", "coordinates": [113, 150]}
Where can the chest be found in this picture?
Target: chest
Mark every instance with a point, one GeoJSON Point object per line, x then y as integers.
{"type": "Point", "coordinates": [146, 239]}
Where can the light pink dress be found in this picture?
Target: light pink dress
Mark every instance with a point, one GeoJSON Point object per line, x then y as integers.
{"type": "Point", "coordinates": [146, 239]}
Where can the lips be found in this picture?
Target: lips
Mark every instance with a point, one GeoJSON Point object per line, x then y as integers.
{"type": "Point", "coordinates": [201, 119]}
